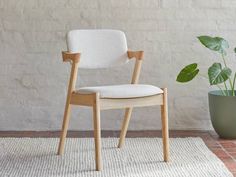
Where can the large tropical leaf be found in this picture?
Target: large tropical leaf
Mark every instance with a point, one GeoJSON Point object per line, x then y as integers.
{"type": "Point", "coordinates": [214, 43]}
{"type": "Point", "coordinates": [188, 73]}
{"type": "Point", "coordinates": [218, 75]}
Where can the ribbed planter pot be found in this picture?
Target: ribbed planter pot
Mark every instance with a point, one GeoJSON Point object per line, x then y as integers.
{"type": "Point", "coordinates": [223, 114]}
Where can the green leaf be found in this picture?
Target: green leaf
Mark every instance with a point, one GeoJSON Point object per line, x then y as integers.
{"type": "Point", "coordinates": [218, 75]}
{"type": "Point", "coordinates": [214, 43]}
{"type": "Point", "coordinates": [188, 73]}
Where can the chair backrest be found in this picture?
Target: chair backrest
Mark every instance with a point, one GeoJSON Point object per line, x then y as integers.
{"type": "Point", "coordinates": [98, 48]}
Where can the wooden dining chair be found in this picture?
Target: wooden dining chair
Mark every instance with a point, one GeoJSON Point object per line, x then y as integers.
{"type": "Point", "coordinates": [103, 49]}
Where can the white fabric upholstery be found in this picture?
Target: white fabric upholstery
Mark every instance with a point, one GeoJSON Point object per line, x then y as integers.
{"type": "Point", "coordinates": [122, 91]}
{"type": "Point", "coordinates": [98, 48]}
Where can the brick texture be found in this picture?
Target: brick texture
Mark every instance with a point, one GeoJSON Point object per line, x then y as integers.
{"type": "Point", "coordinates": [33, 79]}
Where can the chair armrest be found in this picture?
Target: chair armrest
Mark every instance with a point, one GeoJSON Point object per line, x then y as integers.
{"type": "Point", "coordinates": [71, 57]}
{"type": "Point", "coordinates": [135, 54]}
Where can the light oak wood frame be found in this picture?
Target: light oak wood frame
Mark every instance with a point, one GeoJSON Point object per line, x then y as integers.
{"type": "Point", "coordinates": [93, 100]}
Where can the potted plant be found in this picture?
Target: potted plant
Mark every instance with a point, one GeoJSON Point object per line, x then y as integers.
{"type": "Point", "coordinates": [222, 102]}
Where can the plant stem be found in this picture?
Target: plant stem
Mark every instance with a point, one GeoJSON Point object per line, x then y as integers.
{"type": "Point", "coordinates": [223, 93]}
{"type": "Point", "coordinates": [232, 88]}
{"type": "Point", "coordinates": [204, 76]}
{"type": "Point", "coordinates": [230, 81]}
{"type": "Point", "coordinates": [234, 81]}
{"type": "Point", "coordinates": [223, 59]}
{"type": "Point", "coordinates": [226, 89]}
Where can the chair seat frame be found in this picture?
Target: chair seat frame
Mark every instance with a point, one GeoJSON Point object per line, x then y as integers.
{"type": "Point", "coordinates": [93, 100]}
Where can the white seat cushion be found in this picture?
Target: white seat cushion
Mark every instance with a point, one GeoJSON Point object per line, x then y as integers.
{"type": "Point", "coordinates": [122, 91]}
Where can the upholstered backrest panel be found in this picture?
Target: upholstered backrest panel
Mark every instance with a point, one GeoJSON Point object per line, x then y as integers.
{"type": "Point", "coordinates": [98, 48]}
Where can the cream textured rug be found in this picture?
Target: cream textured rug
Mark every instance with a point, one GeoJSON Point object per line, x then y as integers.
{"type": "Point", "coordinates": [140, 157]}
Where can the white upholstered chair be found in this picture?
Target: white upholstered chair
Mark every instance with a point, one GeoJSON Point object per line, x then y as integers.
{"type": "Point", "coordinates": [102, 49]}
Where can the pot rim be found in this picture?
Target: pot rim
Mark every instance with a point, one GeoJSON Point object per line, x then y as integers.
{"type": "Point", "coordinates": [218, 93]}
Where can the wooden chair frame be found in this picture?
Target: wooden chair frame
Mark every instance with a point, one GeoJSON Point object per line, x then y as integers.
{"type": "Point", "coordinates": [93, 100]}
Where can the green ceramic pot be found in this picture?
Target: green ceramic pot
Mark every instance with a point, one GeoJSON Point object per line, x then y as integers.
{"type": "Point", "coordinates": [223, 114]}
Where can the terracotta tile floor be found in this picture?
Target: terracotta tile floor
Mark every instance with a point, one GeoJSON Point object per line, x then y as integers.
{"type": "Point", "coordinates": [224, 149]}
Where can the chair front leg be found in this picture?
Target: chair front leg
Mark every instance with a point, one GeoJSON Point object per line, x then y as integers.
{"type": "Point", "coordinates": [165, 131]}
{"type": "Point", "coordinates": [97, 132]}
{"type": "Point", "coordinates": [73, 76]}
{"type": "Point", "coordinates": [125, 125]}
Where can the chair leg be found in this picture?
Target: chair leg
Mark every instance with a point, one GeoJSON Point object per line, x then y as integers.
{"type": "Point", "coordinates": [64, 129]}
{"type": "Point", "coordinates": [125, 125]}
{"type": "Point", "coordinates": [165, 131]}
{"type": "Point", "coordinates": [97, 135]}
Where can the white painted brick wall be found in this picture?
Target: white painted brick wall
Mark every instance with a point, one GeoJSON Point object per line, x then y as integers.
{"type": "Point", "coordinates": [33, 78]}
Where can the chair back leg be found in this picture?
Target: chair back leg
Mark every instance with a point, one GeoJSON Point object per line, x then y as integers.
{"type": "Point", "coordinates": [125, 125]}
{"type": "Point", "coordinates": [165, 131]}
{"type": "Point", "coordinates": [97, 132]}
{"type": "Point", "coordinates": [64, 129]}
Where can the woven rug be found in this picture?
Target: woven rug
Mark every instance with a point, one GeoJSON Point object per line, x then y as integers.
{"type": "Point", "coordinates": [140, 157]}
